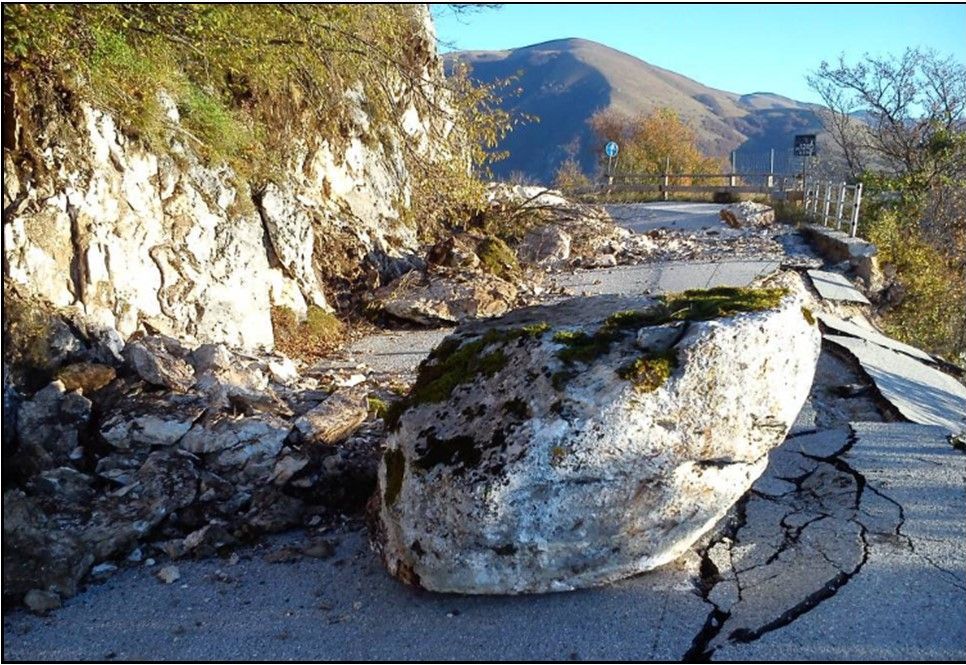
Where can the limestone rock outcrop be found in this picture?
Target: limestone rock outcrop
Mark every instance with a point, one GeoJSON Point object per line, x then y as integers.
{"type": "Point", "coordinates": [571, 445]}
{"type": "Point", "coordinates": [160, 240]}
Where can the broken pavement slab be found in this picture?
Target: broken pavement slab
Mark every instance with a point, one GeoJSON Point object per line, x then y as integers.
{"type": "Point", "coordinates": [668, 277]}
{"type": "Point", "coordinates": [833, 286]}
{"type": "Point", "coordinates": [900, 485]}
{"type": "Point", "coordinates": [868, 334]}
{"type": "Point", "coordinates": [921, 393]}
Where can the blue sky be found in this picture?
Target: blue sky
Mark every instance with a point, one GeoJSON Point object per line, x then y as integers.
{"type": "Point", "coordinates": [738, 48]}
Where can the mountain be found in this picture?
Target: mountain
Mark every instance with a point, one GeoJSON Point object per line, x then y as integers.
{"type": "Point", "coordinates": [564, 82]}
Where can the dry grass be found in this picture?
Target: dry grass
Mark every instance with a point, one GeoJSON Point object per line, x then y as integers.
{"type": "Point", "coordinates": [317, 336]}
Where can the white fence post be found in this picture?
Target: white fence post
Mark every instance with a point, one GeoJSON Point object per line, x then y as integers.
{"type": "Point", "coordinates": [770, 184]}
{"type": "Point", "coordinates": [856, 202]}
{"type": "Point", "coordinates": [828, 204]}
{"type": "Point", "coordinates": [667, 179]}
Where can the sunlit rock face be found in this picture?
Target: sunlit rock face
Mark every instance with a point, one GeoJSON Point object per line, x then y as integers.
{"type": "Point", "coordinates": [571, 445]}
{"type": "Point", "coordinates": [160, 240]}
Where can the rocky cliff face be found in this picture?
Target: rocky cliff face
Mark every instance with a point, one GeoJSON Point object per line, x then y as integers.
{"type": "Point", "coordinates": [138, 240]}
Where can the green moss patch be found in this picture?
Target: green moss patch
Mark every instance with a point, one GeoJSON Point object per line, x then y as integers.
{"type": "Point", "coordinates": [809, 317]}
{"type": "Point", "coordinates": [581, 347]}
{"type": "Point", "coordinates": [377, 407]}
{"type": "Point", "coordinates": [692, 305]}
{"type": "Point", "coordinates": [497, 258]}
{"type": "Point", "coordinates": [454, 363]}
{"type": "Point", "coordinates": [722, 301]}
{"type": "Point", "coordinates": [649, 372]}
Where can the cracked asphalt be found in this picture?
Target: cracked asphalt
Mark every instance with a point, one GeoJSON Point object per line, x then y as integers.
{"type": "Point", "coordinates": [851, 546]}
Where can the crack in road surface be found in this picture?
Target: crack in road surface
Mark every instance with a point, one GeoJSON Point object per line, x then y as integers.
{"type": "Point", "coordinates": [769, 547]}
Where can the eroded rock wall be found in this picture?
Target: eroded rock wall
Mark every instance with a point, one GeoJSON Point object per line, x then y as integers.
{"type": "Point", "coordinates": [139, 240]}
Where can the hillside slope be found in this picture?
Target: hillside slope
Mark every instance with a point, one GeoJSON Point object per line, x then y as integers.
{"type": "Point", "coordinates": [566, 81]}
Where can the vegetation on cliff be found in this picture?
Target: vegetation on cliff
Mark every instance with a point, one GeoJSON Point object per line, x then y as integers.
{"type": "Point", "coordinates": [899, 123]}
{"type": "Point", "coordinates": [249, 81]}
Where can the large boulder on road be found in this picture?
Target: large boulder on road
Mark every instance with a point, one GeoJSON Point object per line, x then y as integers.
{"type": "Point", "coordinates": [571, 445]}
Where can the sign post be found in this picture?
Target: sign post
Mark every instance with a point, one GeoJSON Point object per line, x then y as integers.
{"type": "Point", "coordinates": [805, 146]}
{"type": "Point", "coordinates": [611, 151]}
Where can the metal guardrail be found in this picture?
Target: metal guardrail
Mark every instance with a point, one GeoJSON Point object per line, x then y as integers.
{"type": "Point", "coordinates": [834, 202]}
{"type": "Point", "coordinates": [828, 201]}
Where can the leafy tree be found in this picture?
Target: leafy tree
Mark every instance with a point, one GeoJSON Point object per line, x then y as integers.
{"type": "Point", "coordinates": [570, 177]}
{"type": "Point", "coordinates": [901, 125]}
{"type": "Point", "coordinates": [649, 143]}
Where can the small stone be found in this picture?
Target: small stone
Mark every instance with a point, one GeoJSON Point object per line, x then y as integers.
{"type": "Point", "coordinates": [335, 418]}
{"type": "Point", "coordinates": [283, 371]}
{"type": "Point", "coordinates": [284, 555]}
{"type": "Point", "coordinates": [350, 381]}
{"type": "Point", "coordinates": [149, 562]}
{"type": "Point", "coordinates": [136, 555]}
{"type": "Point", "coordinates": [605, 261]}
{"type": "Point", "coordinates": [41, 602]}
{"type": "Point", "coordinates": [169, 574]}
{"type": "Point", "coordinates": [446, 297]}
{"type": "Point", "coordinates": [174, 549]}
{"type": "Point", "coordinates": [160, 361]}
{"type": "Point", "coordinates": [286, 467]}
{"type": "Point", "coordinates": [748, 213]}
{"type": "Point", "coordinates": [320, 549]}
{"type": "Point", "coordinates": [103, 569]}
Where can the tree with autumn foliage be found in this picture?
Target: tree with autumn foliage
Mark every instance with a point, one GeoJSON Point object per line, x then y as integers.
{"type": "Point", "coordinates": [650, 142]}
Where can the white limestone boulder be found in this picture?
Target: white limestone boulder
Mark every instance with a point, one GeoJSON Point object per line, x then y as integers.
{"type": "Point", "coordinates": [445, 297]}
{"type": "Point", "coordinates": [572, 445]}
{"type": "Point", "coordinates": [545, 246]}
{"type": "Point", "coordinates": [747, 214]}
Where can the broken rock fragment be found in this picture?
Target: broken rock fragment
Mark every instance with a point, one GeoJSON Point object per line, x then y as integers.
{"type": "Point", "coordinates": [50, 426]}
{"type": "Point", "coordinates": [748, 214]}
{"type": "Point", "coordinates": [160, 361]}
{"type": "Point", "coordinates": [446, 297]}
{"type": "Point", "coordinates": [335, 418]}
{"type": "Point", "coordinates": [560, 447]}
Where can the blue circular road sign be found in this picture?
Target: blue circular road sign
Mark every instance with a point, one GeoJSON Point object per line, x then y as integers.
{"type": "Point", "coordinates": [610, 149]}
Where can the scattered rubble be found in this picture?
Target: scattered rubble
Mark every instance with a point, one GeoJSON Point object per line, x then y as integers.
{"type": "Point", "coordinates": [192, 450]}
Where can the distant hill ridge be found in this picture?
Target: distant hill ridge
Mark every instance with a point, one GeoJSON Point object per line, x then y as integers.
{"type": "Point", "coordinates": [565, 81]}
